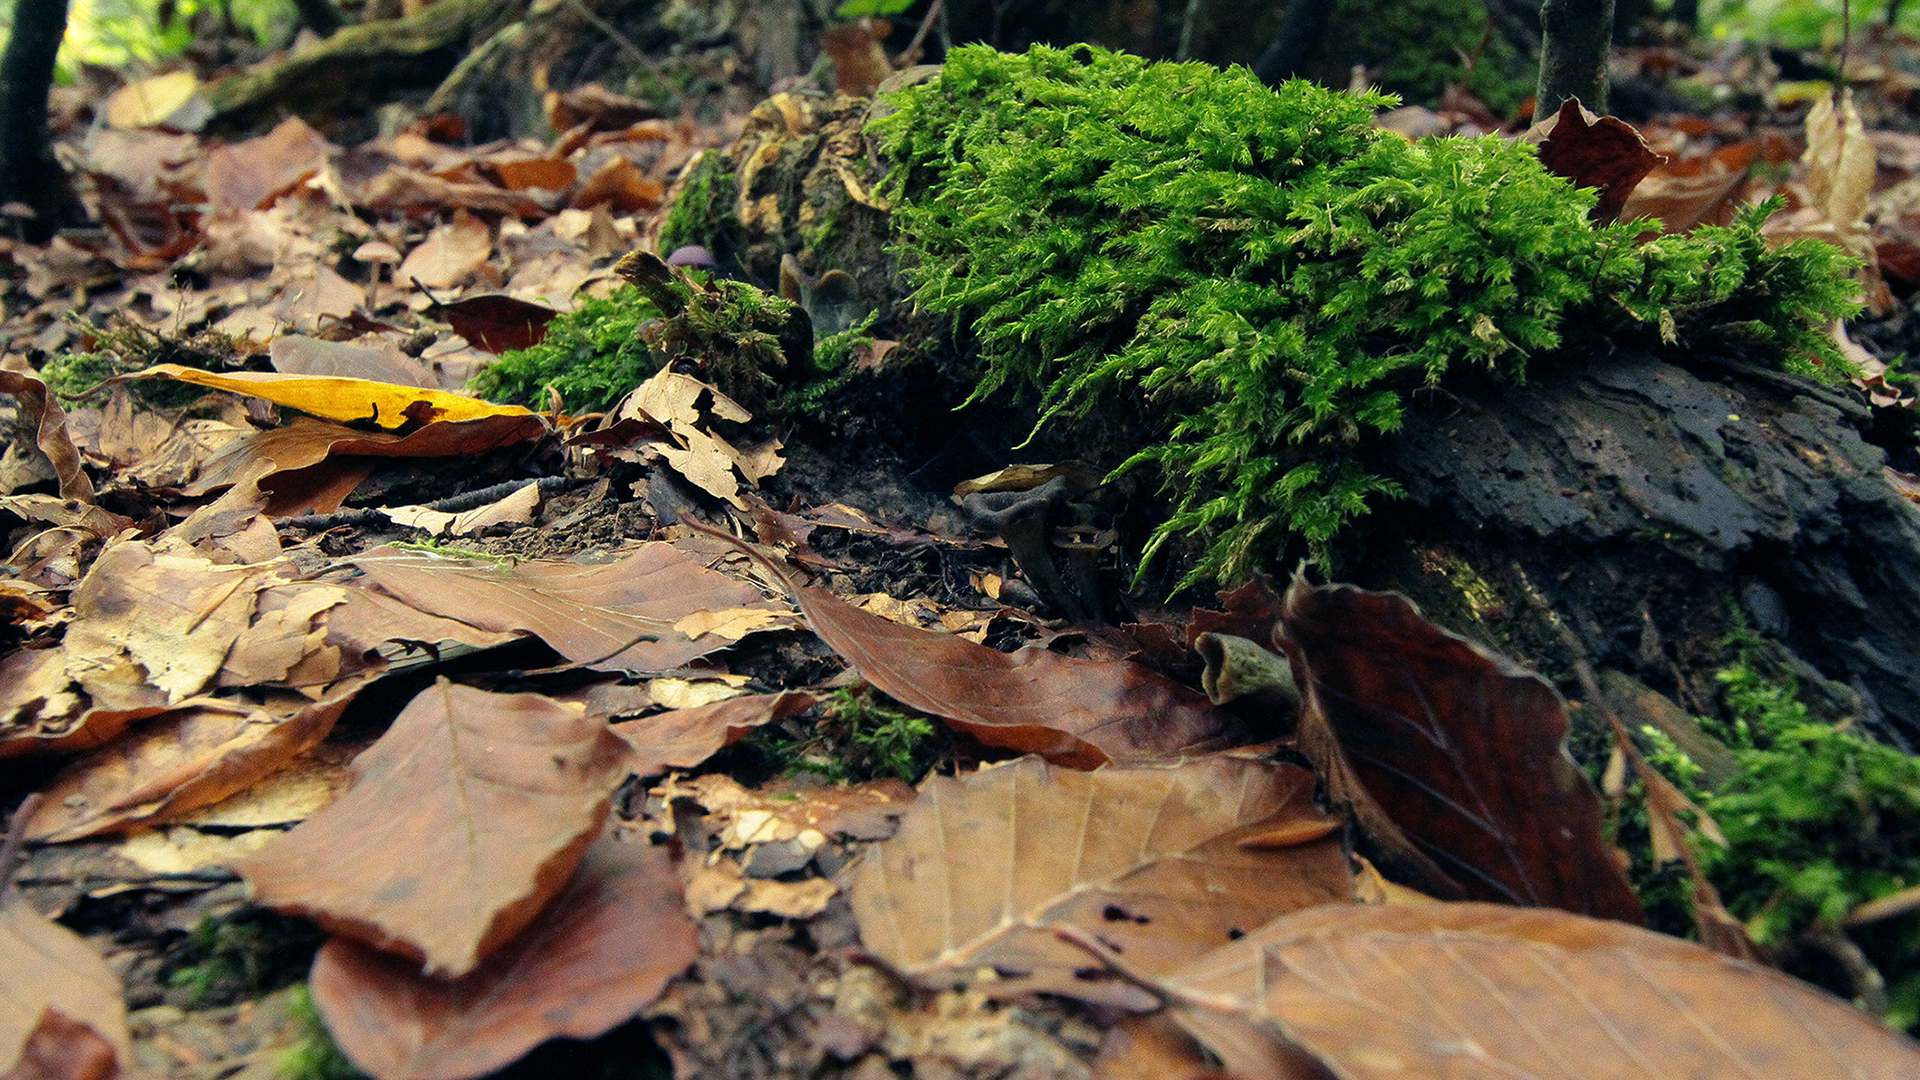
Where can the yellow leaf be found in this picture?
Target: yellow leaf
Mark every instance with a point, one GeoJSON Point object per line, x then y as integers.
{"type": "Point", "coordinates": [337, 398]}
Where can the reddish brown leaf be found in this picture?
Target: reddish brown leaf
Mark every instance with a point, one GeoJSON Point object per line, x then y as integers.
{"type": "Point", "coordinates": [184, 760]}
{"type": "Point", "coordinates": [860, 63]}
{"type": "Point", "coordinates": [1382, 992]}
{"type": "Point", "coordinates": [498, 323]}
{"type": "Point", "coordinates": [523, 173]}
{"type": "Point", "coordinates": [683, 738]}
{"type": "Point", "coordinates": [619, 616]}
{"type": "Point", "coordinates": [1078, 713]}
{"type": "Point", "coordinates": [600, 952]}
{"type": "Point", "coordinates": [1596, 152]}
{"type": "Point", "coordinates": [44, 967]}
{"type": "Point", "coordinates": [65, 1049]}
{"type": "Point", "coordinates": [1463, 750]}
{"type": "Point", "coordinates": [1152, 861]}
{"type": "Point", "coordinates": [621, 184]}
{"type": "Point", "coordinates": [464, 819]}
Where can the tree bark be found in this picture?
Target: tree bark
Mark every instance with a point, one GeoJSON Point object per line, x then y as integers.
{"type": "Point", "coordinates": [29, 174]}
{"type": "Point", "coordinates": [1574, 38]}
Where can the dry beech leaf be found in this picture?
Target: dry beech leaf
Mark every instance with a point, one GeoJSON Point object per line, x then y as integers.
{"type": "Point", "coordinates": [616, 616]}
{"type": "Point", "coordinates": [1481, 990]}
{"type": "Point", "coordinates": [46, 968]}
{"type": "Point", "coordinates": [381, 361]}
{"type": "Point", "coordinates": [463, 820]}
{"type": "Point", "coordinates": [61, 1048]}
{"type": "Point", "coordinates": [1602, 152]}
{"type": "Point", "coordinates": [1461, 749]}
{"type": "Point", "coordinates": [1149, 860]}
{"type": "Point", "coordinates": [497, 323]}
{"type": "Point", "coordinates": [41, 414]}
{"type": "Point", "coordinates": [1840, 161]}
{"type": "Point", "coordinates": [184, 760]}
{"type": "Point", "coordinates": [601, 951]}
{"type": "Point", "coordinates": [1079, 713]}
{"type": "Point", "coordinates": [250, 175]}
{"type": "Point", "coordinates": [450, 255]}
{"type": "Point", "coordinates": [683, 738]}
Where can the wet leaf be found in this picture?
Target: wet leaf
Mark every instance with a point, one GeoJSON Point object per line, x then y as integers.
{"type": "Point", "coordinates": [1463, 750]}
{"type": "Point", "coordinates": [1079, 713]}
{"type": "Point", "coordinates": [1151, 861]}
{"type": "Point", "coordinates": [601, 951]}
{"type": "Point", "coordinates": [464, 819]}
{"type": "Point", "coordinates": [1478, 990]}
{"type": "Point", "coordinates": [619, 616]}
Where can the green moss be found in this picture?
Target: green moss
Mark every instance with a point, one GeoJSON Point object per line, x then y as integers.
{"type": "Point", "coordinates": [591, 356]}
{"type": "Point", "coordinates": [316, 1056]}
{"type": "Point", "coordinates": [1817, 819]}
{"type": "Point", "coordinates": [124, 348]}
{"type": "Point", "coordinates": [860, 735]}
{"type": "Point", "coordinates": [1261, 275]}
{"type": "Point", "coordinates": [710, 184]}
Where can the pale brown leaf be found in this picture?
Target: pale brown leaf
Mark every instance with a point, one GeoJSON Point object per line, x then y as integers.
{"type": "Point", "coordinates": [616, 616]}
{"type": "Point", "coordinates": [1481, 990]}
{"type": "Point", "coordinates": [1150, 860]}
{"type": "Point", "coordinates": [45, 966]}
{"type": "Point", "coordinates": [464, 819]}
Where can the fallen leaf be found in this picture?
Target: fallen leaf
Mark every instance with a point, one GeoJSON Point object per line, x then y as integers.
{"type": "Point", "coordinates": [345, 400]}
{"type": "Point", "coordinates": [250, 175]}
{"type": "Point", "coordinates": [1073, 712]}
{"type": "Point", "coordinates": [156, 100]}
{"type": "Point", "coordinates": [1603, 152]}
{"type": "Point", "coordinates": [1150, 861]}
{"type": "Point", "coordinates": [47, 969]}
{"type": "Point", "coordinates": [380, 362]}
{"type": "Point", "coordinates": [1481, 990]}
{"type": "Point", "coordinates": [464, 819]}
{"type": "Point", "coordinates": [186, 759]}
{"type": "Point", "coordinates": [600, 951]}
{"type": "Point", "coordinates": [522, 173]}
{"type": "Point", "coordinates": [498, 323]}
{"type": "Point", "coordinates": [1463, 750]}
{"type": "Point", "coordinates": [39, 413]}
{"type": "Point", "coordinates": [618, 616]}
{"type": "Point", "coordinates": [450, 255]}
{"type": "Point", "coordinates": [684, 738]}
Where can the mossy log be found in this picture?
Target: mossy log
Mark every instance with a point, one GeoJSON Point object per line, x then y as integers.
{"type": "Point", "coordinates": [1650, 504]}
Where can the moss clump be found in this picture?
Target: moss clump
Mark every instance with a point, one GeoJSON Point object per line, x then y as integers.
{"type": "Point", "coordinates": [591, 357]}
{"type": "Point", "coordinates": [1817, 821]}
{"type": "Point", "coordinates": [860, 735]}
{"type": "Point", "coordinates": [1261, 275]}
{"type": "Point", "coordinates": [125, 347]}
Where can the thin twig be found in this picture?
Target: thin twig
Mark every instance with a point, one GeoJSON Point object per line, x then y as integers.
{"type": "Point", "coordinates": [910, 55]}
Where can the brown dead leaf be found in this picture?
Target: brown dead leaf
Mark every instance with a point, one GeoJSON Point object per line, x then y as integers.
{"type": "Point", "coordinates": [250, 175]}
{"type": "Point", "coordinates": [450, 255]}
{"type": "Point", "coordinates": [1078, 713]}
{"type": "Point", "coordinates": [498, 323]}
{"type": "Point", "coordinates": [683, 738]}
{"type": "Point", "coordinates": [618, 616]}
{"type": "Point", "coordinates": [153, 623]}
{"type": "Point", "coordinates": [1595, 152]}
{"type": "Point", "coordinates": [601, 951]}
{"type": "Point", "coordinates": [46, 968]}
{"type": "Point", "coordinates": [186, 759]}
{"type": "Point", "coordinates": [409, 192]}
{"type": "Point", "coordinates": [519, 174]}
{"type": "Point", "coordinates": [39, 413]}
{"type": "Point", "coordinates": [1478, 990]}
{"type": "Point", "coordinates": [61, 1048]}
{"type": "Point", "coordinates": [43, 711]}
{"type": "Point", "coordinates": [622, 185]}
{"type": "Point", "coordinates": [860, 62]}
{"type": "Point", "coordinates": [1840, 161]}
{"type": "Point", "coordinates": [1148, 860]}
{"type": "Point", "coordinates": [465, 818]}
{"type": "Point", "coordinates": [1464, 752]}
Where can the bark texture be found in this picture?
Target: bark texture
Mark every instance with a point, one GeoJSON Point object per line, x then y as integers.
{"type": "Point", "coordinates": [29, 174]}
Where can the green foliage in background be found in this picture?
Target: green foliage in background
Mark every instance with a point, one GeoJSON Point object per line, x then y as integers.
{"type": "Point", "coordinates": [128, 34]}
{"type": "Point", "coordinates": [1817, 821]}
{"type": "Point", "coordinates": [1263, 275]}
{"type": "Point", "coordinates": [1799, 24]}
{"type": "Point", "coordinates": [591, 356]}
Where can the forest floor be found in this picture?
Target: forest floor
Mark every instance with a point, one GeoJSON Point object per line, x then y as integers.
{"type": "Point", "coordinates": [449, 719]}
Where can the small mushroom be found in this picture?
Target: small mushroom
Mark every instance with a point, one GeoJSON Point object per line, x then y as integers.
{"type": "Point", "coordinates": [379, 253]}
{"type": "Point", "coordinates": [1020, 519]}
{"type": "Point", "coordinates": [693, 257]}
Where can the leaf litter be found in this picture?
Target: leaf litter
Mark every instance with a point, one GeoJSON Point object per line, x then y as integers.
{"type": "Point", "coordinates": [494, 875]}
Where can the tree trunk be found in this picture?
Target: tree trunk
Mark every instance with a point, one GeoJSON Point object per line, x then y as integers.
{"type": "Point", "coordinates": [1574, 38]}
{"type": "Point", "coordinates": [29, 174]}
